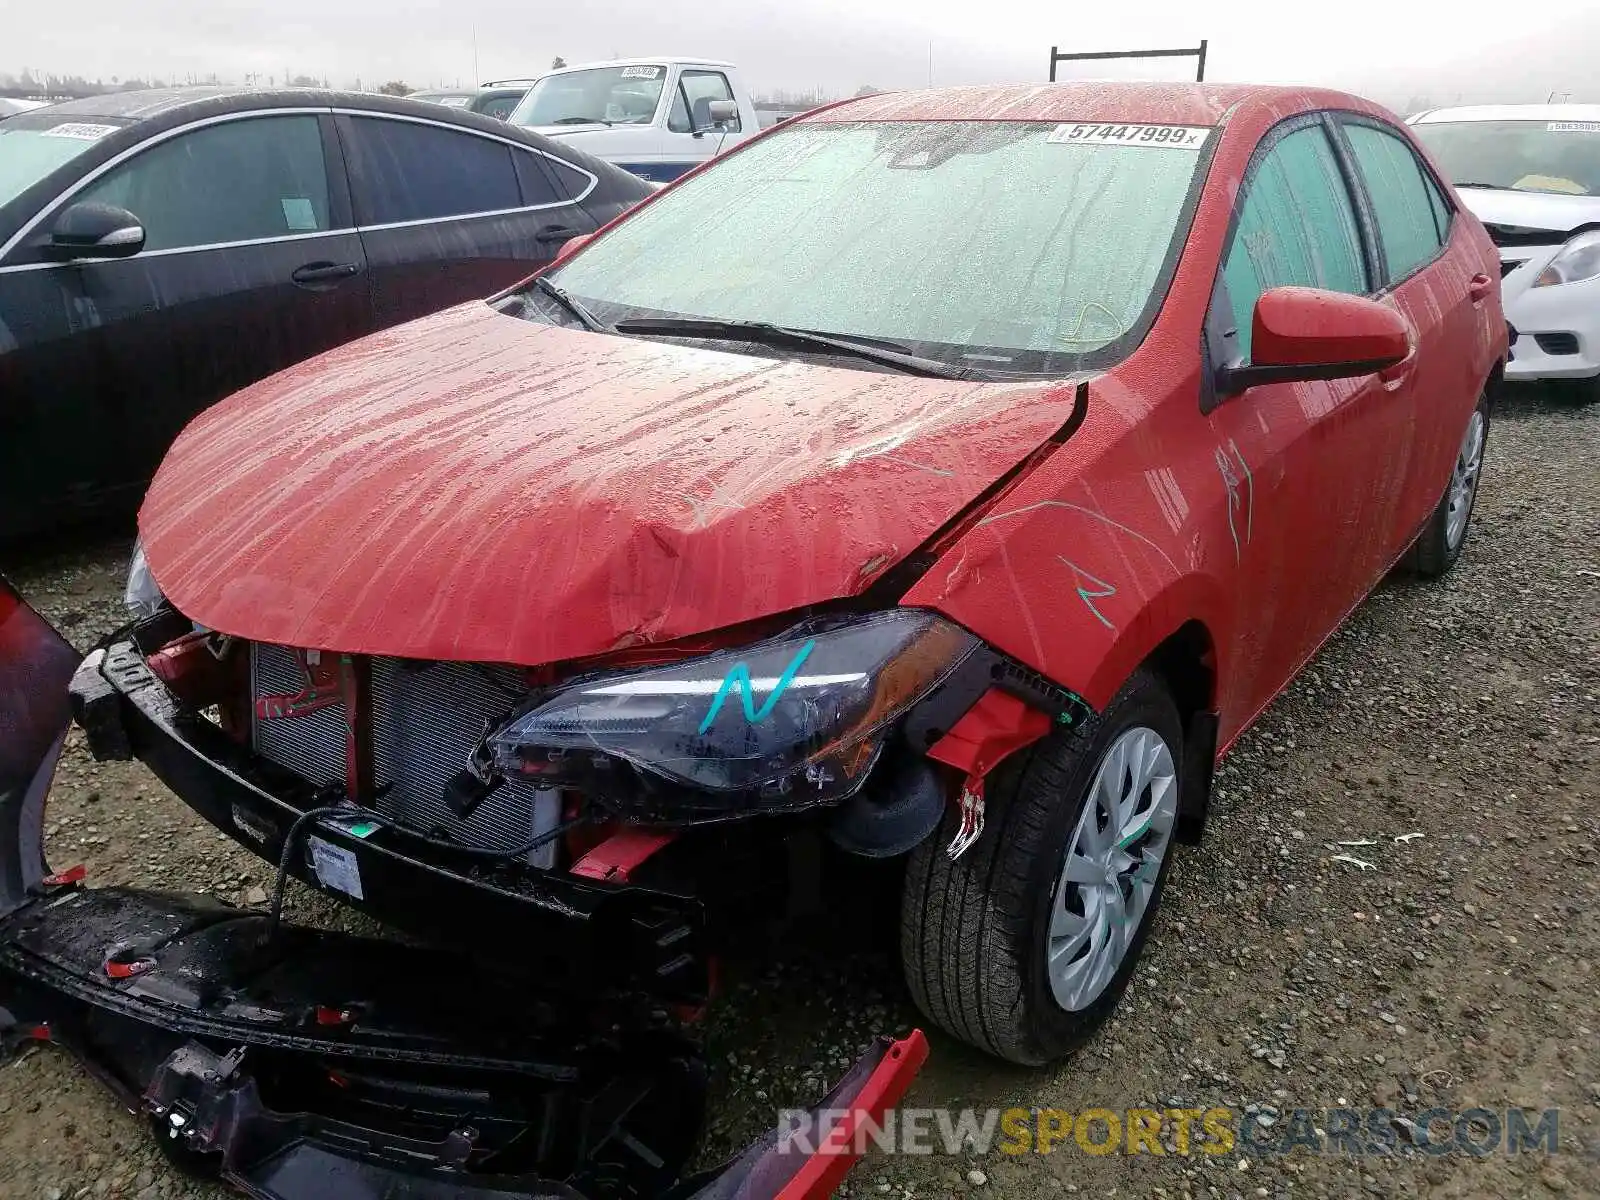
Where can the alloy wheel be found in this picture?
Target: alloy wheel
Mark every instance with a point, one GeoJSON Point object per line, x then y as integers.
{"type": "Point", "coordinates": [1112, 865]}
{"type": "Point", "coordinates": [1464, 481]}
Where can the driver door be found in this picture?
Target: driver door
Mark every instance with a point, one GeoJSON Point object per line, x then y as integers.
{"type": "Point", "coordinates": [690, 138]}
{"type": "Point", "coordinates": [1308, 469]}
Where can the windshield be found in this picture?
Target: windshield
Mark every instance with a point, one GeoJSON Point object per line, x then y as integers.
{"type": "Point", "coordinates": [599, 95]}
{"type": "Point", "coordinates": [1005, 246]}
{"type": "Point", "coordinates": [1527, 156]}
{"type": "Point", "coordinates": [33, 146]}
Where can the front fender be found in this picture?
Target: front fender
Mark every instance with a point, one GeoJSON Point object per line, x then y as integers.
{"type": "Point", "coordinates": [1074, 593]}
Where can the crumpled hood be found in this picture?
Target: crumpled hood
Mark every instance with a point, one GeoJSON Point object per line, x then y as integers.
{"type": "Point", "coordinates": [1531, 210]}
{"type": "Point", "coordinates": [473, 486]}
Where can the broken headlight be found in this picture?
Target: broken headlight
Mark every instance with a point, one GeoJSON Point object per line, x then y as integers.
{"type": "Point", "coordinates": [141, 594]}
{"type": "Point", "coordinates": [785, 723]}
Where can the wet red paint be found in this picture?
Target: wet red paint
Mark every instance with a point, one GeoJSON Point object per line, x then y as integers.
{"type": "Point", "coordinates": [1263, 522]}
{"type": "Point", "coordinates": [476, 487]}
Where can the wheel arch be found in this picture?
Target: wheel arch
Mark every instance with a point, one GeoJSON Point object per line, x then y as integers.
{"type": "Point", "coordinates": [1176, 637]}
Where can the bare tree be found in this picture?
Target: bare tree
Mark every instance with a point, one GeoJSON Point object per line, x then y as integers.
{"type": "Point", "coordinates": [396, 88]}
{"type": "Point", "coordinates": [557, 63]}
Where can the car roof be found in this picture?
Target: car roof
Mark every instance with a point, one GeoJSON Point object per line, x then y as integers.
{"type": "Point", "coordinates": [1510, 112]}
{"type": "Point", "coordinates": [1155, 103]}
{"type": "Point", "coordinates": [671, 60]}
{"type": "Point", "coordinates": [179, 105]}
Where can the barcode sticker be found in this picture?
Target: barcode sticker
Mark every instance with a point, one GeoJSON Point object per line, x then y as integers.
{"type": "Point", "coordinates": [1573, 127]}
{"type": "Point", "coordinates": [336, 868]}
{"type": "Point", "coordinates": [640, 72]}
{"type": "Point", "coordinates": [1163, 137]}
{"type": "Point", "coordinates": [77, 129]}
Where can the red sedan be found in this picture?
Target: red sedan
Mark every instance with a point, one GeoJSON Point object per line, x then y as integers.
{"type": "Point", "coordinates": [952, 476]}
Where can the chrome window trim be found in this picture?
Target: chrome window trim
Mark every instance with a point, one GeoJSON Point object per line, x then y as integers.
{"type": "Point", "coordinates": [145, 254]}
{"type": "Point", "coordinates": [117, 160]}
{"type": "Point", "coordinates": [594, 180]}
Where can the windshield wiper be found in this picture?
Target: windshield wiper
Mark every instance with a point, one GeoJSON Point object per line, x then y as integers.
{"type": "Point", "coordinates": [1497, 187]}
{"type": "Point", "coordinates": [581, 121]}
{"type": "Point", "coordinates": [767, 334]}
{"type": "Point", "coordinates": [559, 294]}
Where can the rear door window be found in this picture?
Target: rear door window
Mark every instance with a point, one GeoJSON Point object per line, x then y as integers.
{"type": "Point", "coordinates": [410, 171]}
{"type": "Point", "coordinates": [1406, 213]}
{"type": "Point", "coordinates": [276, 184]}
{"type": "Point", "coordinates": [1297, 226]}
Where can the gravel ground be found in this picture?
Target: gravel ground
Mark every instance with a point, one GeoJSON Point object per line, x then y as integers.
{"type": "Point", "coordinates": [1459, 971]}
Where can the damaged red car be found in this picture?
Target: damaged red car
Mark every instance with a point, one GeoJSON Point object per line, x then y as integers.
{"type": "Point", "coordinates": [946, 478]}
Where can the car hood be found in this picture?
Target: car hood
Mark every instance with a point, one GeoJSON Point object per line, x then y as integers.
{"type": "Point", "coordinates": [567, 131]}
{"type": "Point", "coordinates": [474, 486]}
{"type": "Point", "coordinates": [1516, 211]}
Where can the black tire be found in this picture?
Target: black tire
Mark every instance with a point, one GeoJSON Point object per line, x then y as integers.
{"type": "Point", "coordinates": [973, 931]}
{"type": "Point", "coordinates": [1432, 555]}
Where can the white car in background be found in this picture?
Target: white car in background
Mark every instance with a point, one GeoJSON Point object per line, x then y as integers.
{"type": "Point", "coordinates": [1531, 174]}
{"type": "Point", "coordinates": [657, 117]}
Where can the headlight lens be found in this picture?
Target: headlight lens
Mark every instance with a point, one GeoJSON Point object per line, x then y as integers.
{"type": "Point", "coordinates": [784, 723]}
{"type": "Point", "coordinates": [141, 594]}
{"type": "Point", "coordinates": [1578, 260]}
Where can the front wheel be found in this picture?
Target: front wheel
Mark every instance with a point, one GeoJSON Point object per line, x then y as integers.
{"type": "Point", "coordinates": [1023, 945]}
{"type": "Point", "coordinates": [1444, 537]}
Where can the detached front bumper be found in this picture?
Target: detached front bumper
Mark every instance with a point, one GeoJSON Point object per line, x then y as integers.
{"type": "Point", "coordinates": [323, 1066]}
{"type": "Point", "coordinates": [547, 925]}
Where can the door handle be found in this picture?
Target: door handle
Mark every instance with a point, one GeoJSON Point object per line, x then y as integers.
{"type": "Point", "coordinates": [1479, 287]}
{"type": "Point", "coordinates": [556, 233]}
{"type": "Point", "coordinates": [323, 272]}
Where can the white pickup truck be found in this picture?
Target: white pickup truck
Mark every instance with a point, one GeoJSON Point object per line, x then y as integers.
{"type": "Point", "coordinates": [656, 117]}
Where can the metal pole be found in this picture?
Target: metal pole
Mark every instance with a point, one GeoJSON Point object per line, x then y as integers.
{"type": "Point", "coordinates": [1053, 50]}
{"type": "Point", "coordinates": [1200, 70]}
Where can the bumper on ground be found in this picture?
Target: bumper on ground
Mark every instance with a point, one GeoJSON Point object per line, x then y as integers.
{"type": "Point", "coordinates": [304, 1064]}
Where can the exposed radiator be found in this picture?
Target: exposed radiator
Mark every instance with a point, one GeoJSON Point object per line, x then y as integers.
{"type": "Point", "coordinates": [426, 718]}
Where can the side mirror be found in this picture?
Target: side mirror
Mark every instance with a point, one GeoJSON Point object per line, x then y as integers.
{"type": "Point", "coordinates": [90, 230]}
{"type": "Point", "coordinates": [570, 246]}
{"type": "Point", "coordinates": [723, 111]}
{"type": "Point", "coordinates": [1303, 333]}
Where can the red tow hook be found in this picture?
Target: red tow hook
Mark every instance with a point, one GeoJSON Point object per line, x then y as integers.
{"type": "Point", "coordinates": [75, 874]}
{"type": "Point", "coordinates": [127, 970]}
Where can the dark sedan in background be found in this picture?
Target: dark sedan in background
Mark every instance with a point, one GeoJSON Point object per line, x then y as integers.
{"type": "Point", "coordinates": [160, 250]}
{"type": "Point", "coordinates": [492, 100]}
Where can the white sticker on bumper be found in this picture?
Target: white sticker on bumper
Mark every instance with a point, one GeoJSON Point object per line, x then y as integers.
{"type": "Point", "coordinates": [336, 868]}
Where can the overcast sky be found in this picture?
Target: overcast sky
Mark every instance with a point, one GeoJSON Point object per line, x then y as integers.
{"type": "Point", "coordinates": [1393, 49]}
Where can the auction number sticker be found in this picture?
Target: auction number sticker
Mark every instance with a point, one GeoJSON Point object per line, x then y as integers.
{"type": "Point", "coordinates": [80, 130]}
{"type": "Point", "coordinates": [335, 867]}
{"type": "Point", "coordinates": [641, 72]}
{"type": "Point", "coordinates": [1168, 137]}
{"type": "Point", "coordinates": [1573, 127]}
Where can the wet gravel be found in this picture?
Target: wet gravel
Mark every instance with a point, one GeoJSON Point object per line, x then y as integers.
{"type": "Point", "coordinates": [1457, 968]}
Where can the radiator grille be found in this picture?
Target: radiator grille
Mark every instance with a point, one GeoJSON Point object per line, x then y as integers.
{"type": "Point", "coordinates": [426, 717]}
